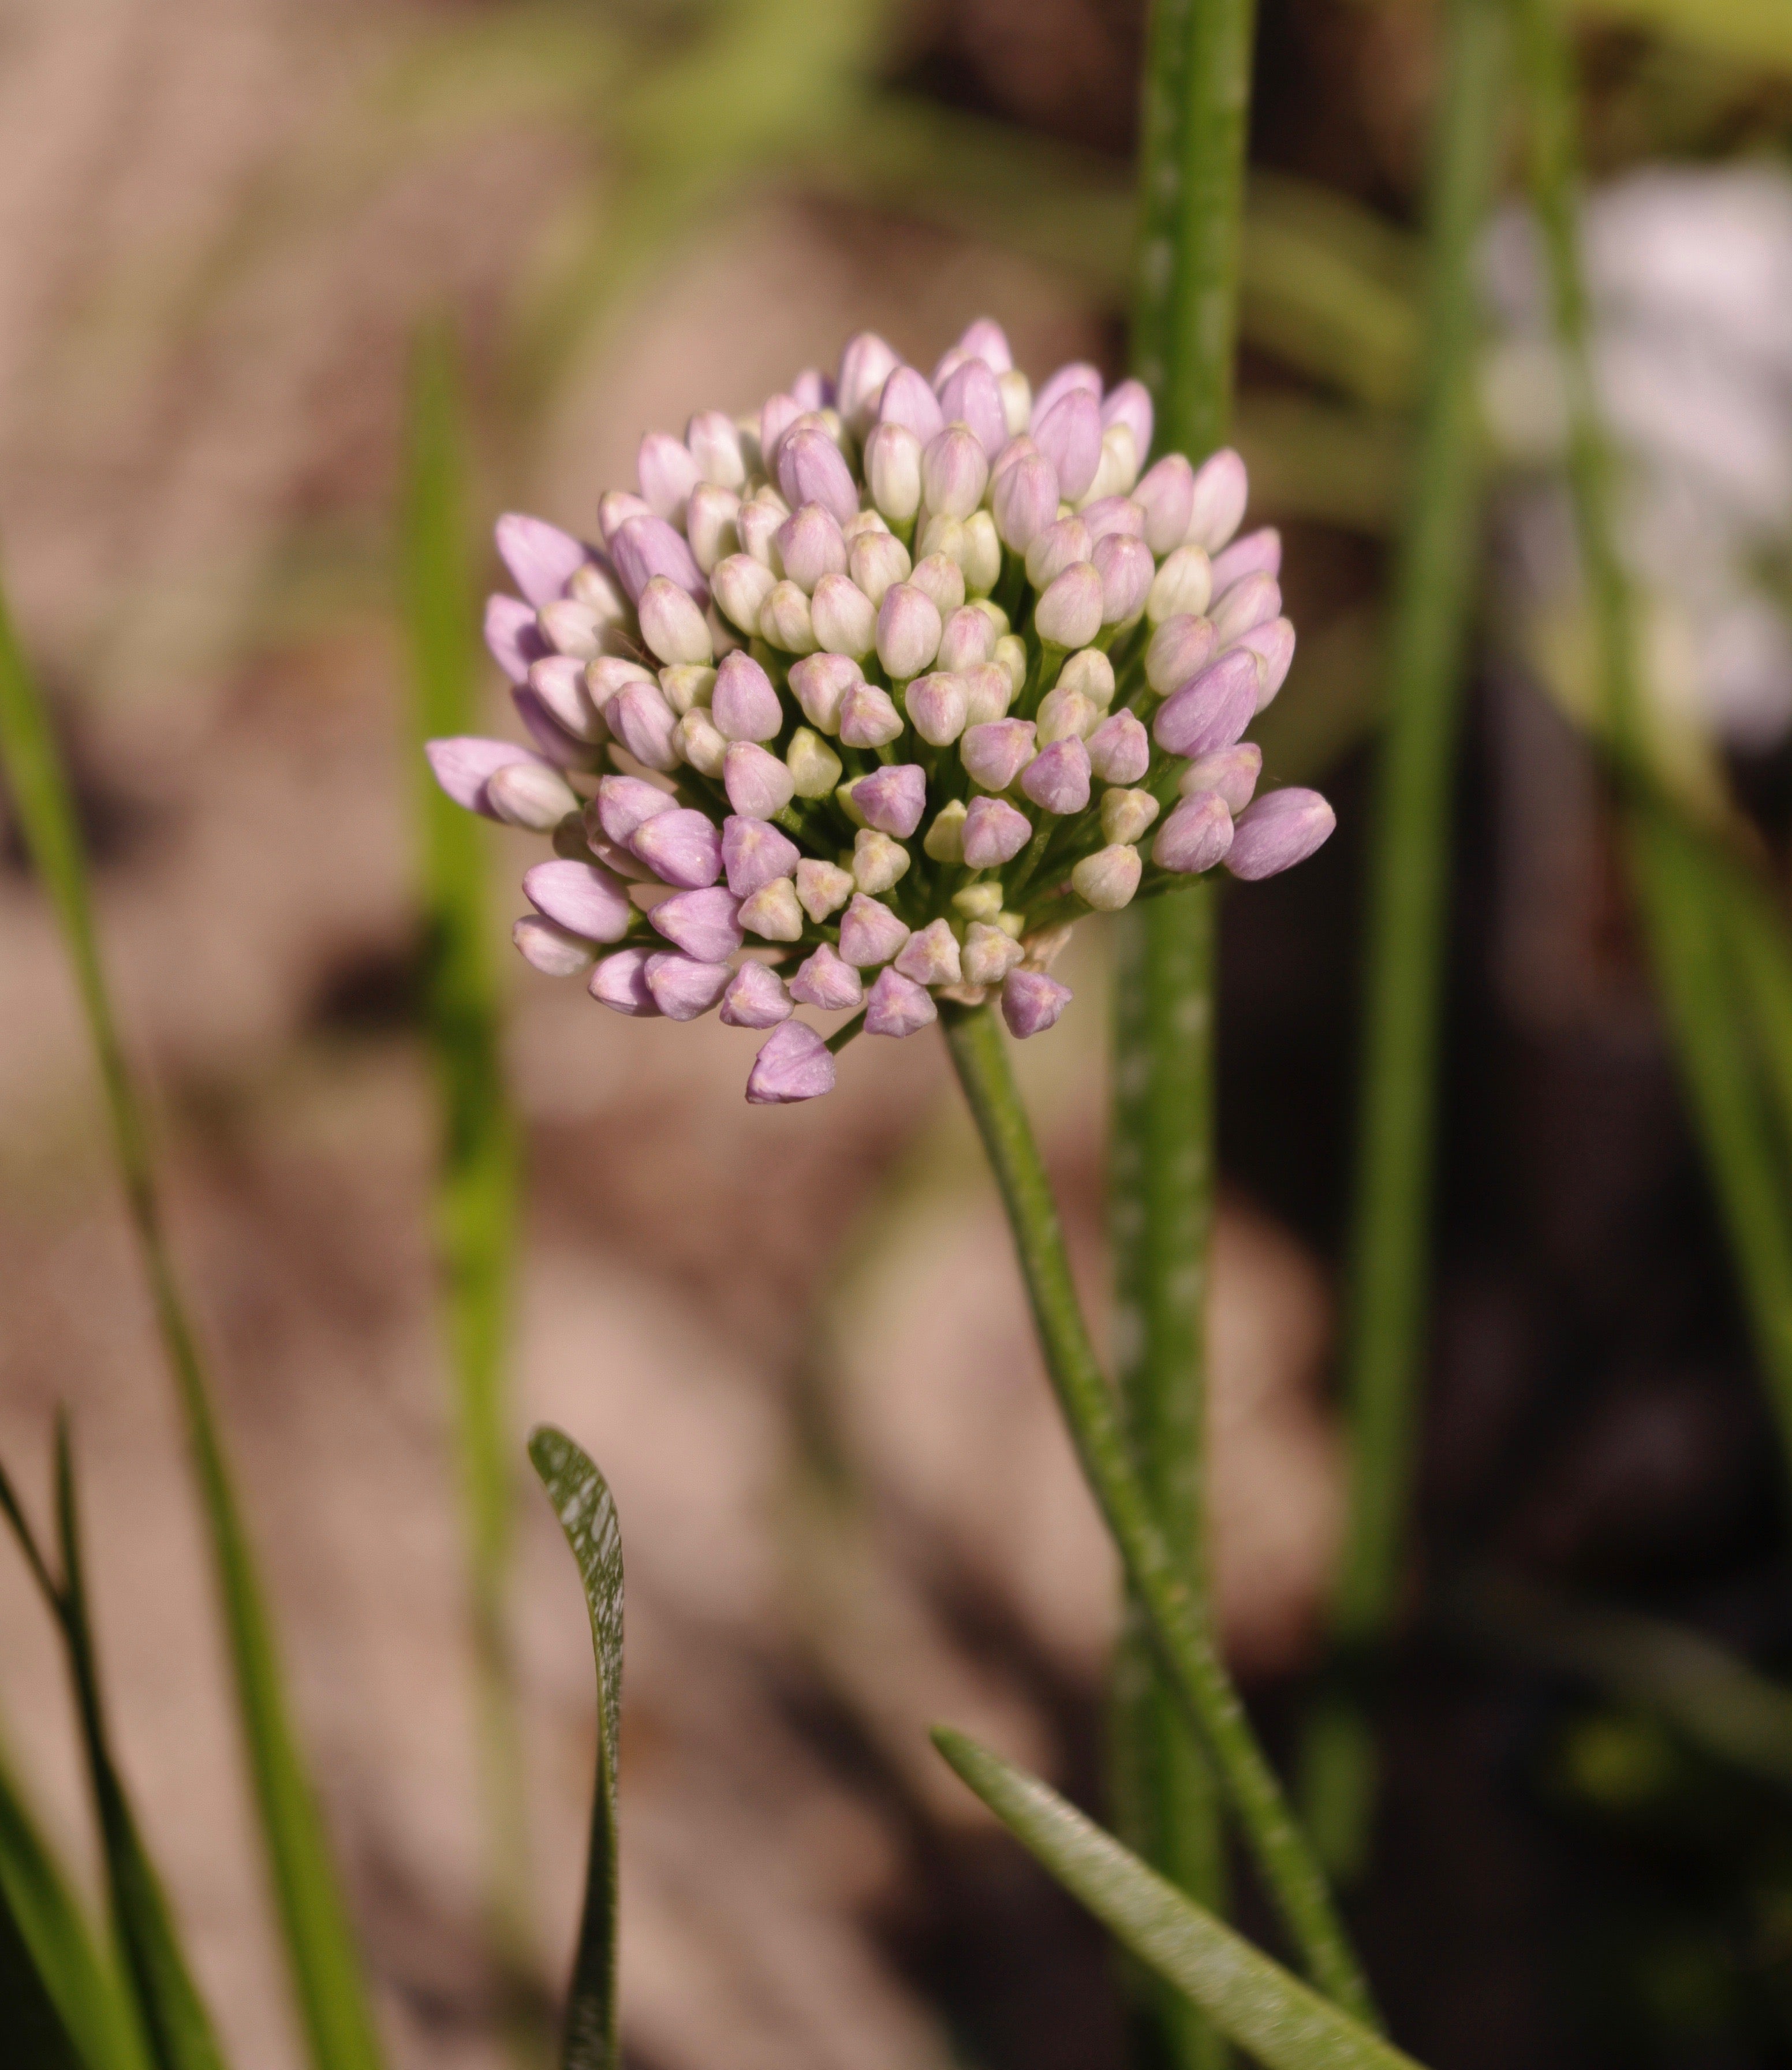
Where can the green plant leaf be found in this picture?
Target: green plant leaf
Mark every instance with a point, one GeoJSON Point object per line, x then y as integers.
{"type": "Point", "coordinates": [581, 1500]}
{"type": "Point", "coordinates": [319, 1945]}
{"type": "Point", "coordinates": [48, 1948]}
{"type": "Point", "coordinates": [1252, 2001]}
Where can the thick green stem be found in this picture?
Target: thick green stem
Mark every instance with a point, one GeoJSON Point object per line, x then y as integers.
{"type": "Point", "coordinates": [1180, 1629]}
{"type": "Point", "coordinates": [1191, 157]}
{"type": "Point", "coordinates": [1687, 911]}
{"type": "Point", "coordinates": [1432, 589]}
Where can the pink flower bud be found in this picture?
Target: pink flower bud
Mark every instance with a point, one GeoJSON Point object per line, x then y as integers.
{"type": "Point", "coordinates": [513, 635]}
{"type": "Point", "coordinates": [619, 982]}
{"type": "Point", "coordinates": [1060, 546]}
{"type": "Point", "coordinates": [1212, 710]}
{"type": "Point", "coordinates": [566, 751]}
{"type": "Point", "coordinates": [819, 682]}
{"type": "Point", "coordinates": [955, 472]}
{"type": "Point", "coordinates": [1259, 552]}
{"type": "Point", "coordinates": [755, 998]}
{"type": "Point", "coordinates": [645, 547]}
{"type": "Point", "coordinates": [464, 763]}
{"type": "Point", "coordinates": [1031, 1002]}
{"type": "Point", "coordinates": [931, 957]}
{"type": "Point", "coordinates": [1127, 814]}
{"type": "Point", "coordinates": [623, 803]}
{"type": "Point", "coordinates": [971, 397]}
{"type": "Point", "coordinates": [1077, 373]}
{"type": "Point", "coordinates": [793, 1064]}
{"type": "Point", "coordinates": [894, 798]}
{"type": "Point", "coordinates": [936, 708]}
{"type": "Point", "coordinates": [811, 545]}
{"type": "Point", "coordinates": [875, 560]}
{"type": "Point", "coordinates": [827, 981]}
{"type": "Point", "coordinates": [986, 340]}
{"type": "Point", "coordinates": [542, 558]}
{"type": "Point", "coordinates": [822, 888]}
{"type": "Point", "coordinates": [989, 953]}
{"type": "Point", "coordinates": [614, 508]}
{"type": "Point", "coordinates": [714, 445]}
{"type": "Point", "coordinates": [870, 933]}
{"type": "Point", "coordinates": [908, 630]}
{"type": "Point", "coordinates": [1253, 602]}
{"type": "Point", "coordinates": [683, 989]}
{"type": "Point", "coordinates": [844, 618]}
{"type": "Point", "coordinates": [1118, 749]}
{"type": "Point", "coordinates": [995, 833]}
{"type": "Point", "coordinates": [1113, 513]}
{"type": "Point", "coordinates": [938, 576]}
{"type": "Point", "coordinates": [968, 638]}
{"type": "Point", "coordinates": [867, 717]}
{"type": "Point", "coordinates": [1057, 777]}
{"type": "Point", "coordinates": [995, 752]}
{"type": "Point", "coordinates": [989, 690]}
{"type": "Point", "coordinates": [1217, 500]}
{"type": "Point", "coordinates": [1180, 648]}
{"type": "Point", "coordinates": [1281, 829]}
{"type": "Point", "coordinates": [582, 896]}
{"type": "Point", "coordinates": [1126, 568]}
{"type": "Point", "coordinates": [865, 364]}
{"type": "Point", "coordinates": [909, 401]}
{"type": "Point", "coordinates": [704, 924]}
{"type": "Point", "coordinates": [758, 785]}
{"type": "Point", "coordinates": [1069, 433]}
{"type": "Point", "coordinates": [668, 473]}
{"type": "Point", "coordinates": [1195, 836]}
{"type": "Point", "coordinates": [558, 681]}
{"type": "Point", "coordinates": [682, 848]}
{"type": "Point", "coordinates": [812, 389]}
{"type": "Point", "coordinates": [1232, 772]}
{"type": "Point", "coordinates": [811, 469]}
{"type": "Point", "coordinates": [897, 1005]}
{"type": "Point", "coordinates": [1129, 404]}
{"type": "Point", "coordinates": [743, 705]}
{"type": "Point", "coordinates": [673, 628]}
{"type": "Point", "coordinates": [1026, 501]}
{"type": "Point", "coordinates": [1274, 644]}
{"type": "Point", "coordinates": [523, 794]}
{"type": "Point", "coordinates": [1070, 613]}
{"type": "Point", "coordinates": [645, 724]}
{"type": "Point", "coordinates": [752, 852]}
{"type": "Point", "coordinates": [777, 413]}
{"type": "Point", "coordinates": [552, 950]}
{"type": "Point", "coordinates": [1166, 494]}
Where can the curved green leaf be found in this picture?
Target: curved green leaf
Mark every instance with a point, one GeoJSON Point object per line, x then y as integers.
{"type": "Point", "coordinates": [581, 1499]}
{"type": "Point", "coordinates": [1252, 2000]}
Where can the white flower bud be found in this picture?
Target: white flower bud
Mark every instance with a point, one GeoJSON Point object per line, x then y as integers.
{"type": "Point", "coordinates": [1070, 613]}
{"type": "Point", "coordinates": [844, 617]}
{"type": "Point", "coordinates": [879, 861]}
{"type": "Point", "coordinates": [1016, 391]}
{"type": "Point", "coordinates": [822, 888]}
{"type": "Point", "coordinates": [940, 577]}
{"type": "Point", "coordinates": [1011, 657]}
{"type": "Point", "coordinates": [709, 525]}
{"type": "Point", "coordinates": [936, 707]}
{"type": "Point", "coordinates": [757, 522]}
{"type": "Point", "coordinates": [671, 624]}
{"type": "Point", "coordinates": [697, 740]}
{"type": "Point", "coordinates": [988, 955]}
{"type": "Point", "coordinates": [773, 912]}
{"type": "Point", "coordinates": [1184, 584]}
{"type": "Point", "coordinates": [892, 472]}
{"type": "Point", "coordinates": [785, 620]}
{"type": "Point", "coordinates": [1059, 546]}
{"type": "Point", "coordinates": [1107, 879]}
{"type": "Point", "coordinates": [978, 901]}
{"type": "Point", "coordinates": [686, 684]}
{"type": "Point", "coordinates": [757, 782]}
{"type": "Point", "coordinates": [1127, 814]}
{"type": "Point", "coordinates": [814, 767]}
{"type": "Point", "coordinates": [714, 445]}
{"type": "Point", "coordinates": [818, 682]}
{"type": "Point", "coordinates": [988, 692]}
{"type": "Point", "coordinates": [875, 561]}
{"type": "Point", "coordinates": [966, 639]}
{"type": "Point", "coordinates": [528, 794]}
{"type": "Point", "coordinates": [1118, 469]}
{"type": "Point", "coordinates": [908, 630]}
{"type": "Point", "coordinates": [609, 673]}
{"type": "Point", "coordinates": [595, 587]}
{"type": "Point", "coordinates": [980, 556]}
{"type": "Point", "coordinates": [1091, 672]}
{"type": "Point", "coordinates": [742, 585]}
{"type": "Point", "coordinates": [944, 841]}
{"type": "Point", "coordinates": [572, 628]}
{"type": "Point", "coordinates": [1065, 714]}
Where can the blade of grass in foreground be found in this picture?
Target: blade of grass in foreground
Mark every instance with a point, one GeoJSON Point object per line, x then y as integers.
{"type": "Point", "coordinates": [476, 1198]}
{"type": "Point", "coordinates": [582, 1501]}
{"type": "Point", "coordinates": [320, 1948]}
{"type": "Point", "coordinates": [1432, 589]}
{"type": "Point", "coordinates": [176, 2025]}
{"type": "Point", "coordinates": [1197, 94]}
{"type": "Point", "coordinates": [1251, 2000]}
{"type": "Point", "coordinates": [49, 1936]}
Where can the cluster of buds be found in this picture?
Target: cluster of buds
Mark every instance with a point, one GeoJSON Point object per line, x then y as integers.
{"type": "Point", "coordinates": [864, 700]}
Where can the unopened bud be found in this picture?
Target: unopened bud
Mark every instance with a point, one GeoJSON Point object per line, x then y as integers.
{"type": "Point", "coordinates": [1166, 494]}
{"type": "Point", "coordinates": [572, 628]}
{"type": "Point", "coordinates": [529, 794]}
{"type": "Point", "coordinates": [893, 470]}
{"type": "Point", "coordinates": [1126, 572]}
{"type": "Point", "coordinates": [667, 473]}
{"type": "Point", "coordinates": [980, 554]}
{"type": "Point", "coordinates": [1181, 587]}
{"type": "Point", "coordinates": [818, 682]}
{"type": "Point", "coordinates": [741, 586]}
{"type": "Point", "coordinates": [622, 803]}
{"type": "Point", "coordinates": [944, 841]}
{"type": "Point", "coordinates": [867, 717]}
{"type": "Point", "coordinates": [909, 401]}
{"type": "Point", "coordinates": [784, 619]}
{"type": "Point", "coordinates": [1026, 501]}
{"type": "Point", "coordinates": [671, 624]}
{"type": "Point", "coordinates": [1217, 500]}
{"type": "Point", "coordinates": [1281, 829]}
{"type": "Point", "coordinates": [1065, 714]}
{"type": "Point", "coordinates": [1058, 778]}
{"type": "Point", "coordinates": [1016, 391]}
{"type": "Point", "coordinates": [682, 848]}
{"type": "Point", "coordinates": [988, 692]}
{"type": "Point", "coordinates": [759, 520]}
{"type": "Point", "coordinates": [995, 833]}
{"type": "Point", "coordinates": [931, 955]}
{"type": "Point", "coordinates": [995, 752]}
{"type": "Point", "coordinates": [844, 618]}
{"type": "Point", "coordinates": [897, 1005]}
{"type": "Point", "coordinates": [989, 953]}
{"type": "Point", "coordinates": [1114, 513]}
{"type": "Point", "coordinates": [1253, 602]}
{"type": "Point", "coordinates": [743, 703]}
{"type": "Point", "coordinates": [1257, 552]}
{"type": "Point", "coordinates": [757, 783]}
{"type": "Point", "coordinates": [828, 982]}
{"type": "Point", "coordinates": [1107, 879]}
{"type": "Point", "coordinates": [908, 630]}
{"type": "Point", "coordinates": [893, 798]}
{"type": "Point", "coordinates": [686, 685]}
{"type": "Point", "coordinates": [1060, 546]}
{"type": "Point", "coordinates": [938, 576]}
{"type": "Point", "coordinates": [704, 924]}
{"type": "Point", "coordinates": [875, 560]}
{"type": "Point", "coordinates": [1129, 404]}
{"type": "Point", "coordinates": [594, 584]}
{"type": "Point", "coordinates": [584, 896]}
{"type": "Point", "coordinates": [1212, 710]}
{"type": "Point", "coordinates": [1127, 814]}
{"type": "Point", "coordinates": [870, 933]}
{"type": "Point", "coordinates": [793, 1064]}
{"type": "Point", "coordinates": [1195, 836]}
{"type": "Point", "coordinates": [609, 673]}
{"type": "Point", "coordinates": [971, 397]}
{"type": "Point", "coordinates": [777, 413]}
{"type": "Point", "coordinates": [879, 861]}
{"type": "Point", "coordinates": [1232, 771]}
{"type": "Point", "coordinates": [955, 472]}
{"type": "Point", "coordinates": [936, 707]}
{"type": "Point", "coordinates": [1092, 673]}
{"type": "Point", "coordinates": [701, 744]}
{"type": "Point", "coordinates": [542, 558]}
{"type": "Point", "coordinates": [811, 545]}
{"type": "Point", "coordinates": [558, 681]}
{"type": "Point", "coordinates": [1031, 1002]}
{"type": "Point", "coordinates": [642, 720]}
{"type": "Point", "coordinates": [552, 950]}
{"type": "Point", "coordinates": [619, 982]}
{"type": "Point", "coordinates": [978, 901]}
{"type": "Point", "coordinates": [1274, 645]}
{"type": "Point", "coordinates": [773, 913]}
{"type": "Point", "coordinates": [683, 989]}
{"type": "Point", "coordinates": [1011, 657]}
{"type": "Point", "coordinates": [967, 638]}
{"type": "Point", "coordinates": [1180, 648]}
{"type": "Point", "coordinates": [614, 508]}
{"type": "Point", "coordinates": [865, 363]}
{"type": "Point", "coordinates": [1070, 613]}
{"type": "Point", "coordinates": [714, 444]}
{"type": "Point", "coordinates": [1067, 429]}
{"type": "Point", "coordinates": [822, 888]}
{"type": "Point", "coordinates": [755, 998]}
{"type": "Point", "coordinates": [647, 546]}
{"type": "Point", "coordinates": [814, 767]}
{"type": "Point", "coordinates": [753, 851]}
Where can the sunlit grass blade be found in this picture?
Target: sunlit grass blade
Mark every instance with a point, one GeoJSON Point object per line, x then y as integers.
{"type": "Point", "coordinates": [320, 1948]}
{"type": "Point", "coordinates": [476, 1183]}
{"type": "Point", "coordinates": [176, 2026]}
{"type": "Point", "coordinates": [581, 1499]}
{"type": "Point", "coordinates": [52, 1951]}
{"type": "Point", "coordinates": [1432, 591]}
{"type": "Point", "coordinates": [1252, 2001]}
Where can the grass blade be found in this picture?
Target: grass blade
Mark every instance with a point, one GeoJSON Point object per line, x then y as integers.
{"type": "Point", "coordinates": [46, 1934]}
{"type": "Point", "coordinates": [1252, 2000]}
{"type": "Point", "coordinates": [581, 1499]}
{"type": "Point", "coordinates": [476, 1192]}
{"type": "Point", "coordinates": [320, 1948]}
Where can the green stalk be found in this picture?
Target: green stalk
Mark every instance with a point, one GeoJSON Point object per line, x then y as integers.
{"type": "Point", "coordinates": [1432, 592]}
{"type": "Point", "coordinates": [322, 1956]}
{"type": "Point", "coordinates": [476, 1198]}
{"type": "Point", "coordinates": [1185, 319]}
{"type": "Point", "coordinates": [1180, 1624]}
{"type": "Point", "coordinates": [1686, 910]}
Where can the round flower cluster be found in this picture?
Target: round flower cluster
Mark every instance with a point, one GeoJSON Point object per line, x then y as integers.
{"type": "Point", "coordinates": [865, 699]}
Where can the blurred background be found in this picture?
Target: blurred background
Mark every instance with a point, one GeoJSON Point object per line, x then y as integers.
{"type": "Point", "coordinates": [793, 1337]}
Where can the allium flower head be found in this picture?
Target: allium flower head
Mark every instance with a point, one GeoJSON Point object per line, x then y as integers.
{"type": "Point", "coordinates": [866, 696]}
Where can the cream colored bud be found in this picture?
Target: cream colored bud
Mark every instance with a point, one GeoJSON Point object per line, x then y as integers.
{"type": "Point", "coordinates": [1118, 469]}
{"type": "Point", "coordinates": [989, 953]}
{"type": "Point", "coordinates": [988, 692]}
{"type": "Point", "coordinates": [697, 739]}
{"type": "Point", "coordinates": [1065, 714]}
{"type": "Point", "coordinates": [876, 561]}
{"type": "Point", "coordinates": [861, 522]}
{"type": "Point", "coordinates": [814, 767]}
{"type": "Point", "coordinates": [1184, 582]}
{"type": "Point", "coordinates": [1127, 814]}
{"type": "Point", "coordinates": [978, 901]}
{"type": "Point", "coordinates": [822, 888]}
{"type": "Point", "coordinates": [939, 576]}
{"type": "Point", "coordinates": [879, 861]}
{"type": "Point", "coordinates": [892, 472]}
{"type": "Point", "coordinates": [598, 589]}
{"type": "Point", "coordinates": [686, 684]}
{"type": "Point", "coordinates": [944, 841]}
{"type": "Point", "coordinates": [1011, 657]}
{"type": "Point", "coordinates": [1107, 879]}
{"type": "Point", "coordinates": [844, 617]}
{"type": "Point", "coordinates": [1016, 391]}
{"type": "Point", "coordinates": [711, 524]}
{"type": "Point", "coordinates": [1092, 673]}
{"type": "Point", "coordinates": [981, 555]}
{"type": "Point", "coordinates": [742, 584]}
{"type": "Point", "coordinates": [773, 912]}
{"type": "Point", "coordinates": [784, 619]}
{"type": "Point", "coordinates": [574, 628]}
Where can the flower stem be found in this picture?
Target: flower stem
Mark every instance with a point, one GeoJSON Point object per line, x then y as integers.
{"type": "Point", "coordinates": [1193, 123]}
{"type": "Point", "coordinates": [1433, 590]}
{"type": "Point", "coordinates": [1179, 1627]}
